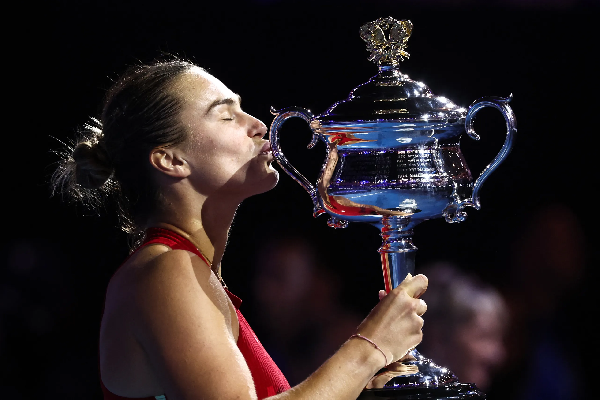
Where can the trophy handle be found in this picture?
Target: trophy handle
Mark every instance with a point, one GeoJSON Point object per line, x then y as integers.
{"type": "Point", "coordinates": [281, 117]}
{"type": "Point", "coordinates": [500, 103]}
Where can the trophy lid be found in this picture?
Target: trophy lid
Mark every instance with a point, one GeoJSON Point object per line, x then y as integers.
{"type": "Point", "coordinates": [391, 95]}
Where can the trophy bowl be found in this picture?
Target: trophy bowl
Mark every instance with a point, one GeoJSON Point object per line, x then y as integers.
{"type": "Point", "coordinates": [393, 160]}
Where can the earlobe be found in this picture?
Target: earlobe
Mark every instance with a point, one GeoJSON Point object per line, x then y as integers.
{"type": "Point", "coordinates": [169, 162]}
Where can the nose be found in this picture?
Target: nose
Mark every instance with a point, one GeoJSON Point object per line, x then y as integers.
{"type": "Point", "coordinates": [257, 127]}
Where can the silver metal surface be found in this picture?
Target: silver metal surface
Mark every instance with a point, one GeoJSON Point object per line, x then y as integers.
{"type": "Point", "coordinates": [393, 160]}
{"type": "Point", "coordinates": [429, 375]}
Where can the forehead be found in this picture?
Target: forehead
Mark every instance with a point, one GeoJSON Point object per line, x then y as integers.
{"type": "Point", "coordinates": [200, 89]}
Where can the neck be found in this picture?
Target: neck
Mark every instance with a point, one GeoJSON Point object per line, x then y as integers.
{"type": "Point", "coordinates": [206, 224]}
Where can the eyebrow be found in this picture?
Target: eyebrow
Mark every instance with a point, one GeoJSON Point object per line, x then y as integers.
{"type": "Point", "coordinates": [227, 100]}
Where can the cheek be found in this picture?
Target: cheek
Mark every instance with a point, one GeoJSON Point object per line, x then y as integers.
{"type": "Point", "coordinates": [220, 151]}
{"type": "Point", "coordinates": [234, 160]}
{"type": "Point", "coordinates": [233, 147]}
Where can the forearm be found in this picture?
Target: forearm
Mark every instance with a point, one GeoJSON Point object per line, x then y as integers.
{"type": "Point", "coordinates": [394, 325]}
{"type": "Point", "coordinates": [343, 376]}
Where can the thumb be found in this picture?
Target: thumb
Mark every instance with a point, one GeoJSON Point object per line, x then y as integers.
{"type": "Point", "coordinates": [415, 286]}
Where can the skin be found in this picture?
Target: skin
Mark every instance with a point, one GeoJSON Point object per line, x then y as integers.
{"type": "Point", "coordinates": [479, 347]}
{"type": "Point", "coordinates": [168, 325]}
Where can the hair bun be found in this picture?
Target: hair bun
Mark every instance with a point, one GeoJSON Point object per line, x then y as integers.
{"type": "Point", "coordinates": [93, 166]}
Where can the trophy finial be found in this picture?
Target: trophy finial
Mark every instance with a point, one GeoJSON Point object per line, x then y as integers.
{"type": "Point", "coordinates": [386, 40]}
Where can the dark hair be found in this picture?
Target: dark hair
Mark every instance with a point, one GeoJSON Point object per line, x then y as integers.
{"type": "Point", "coordinates": [109, 158]}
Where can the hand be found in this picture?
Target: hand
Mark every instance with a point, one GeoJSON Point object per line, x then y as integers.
{"type": "Point", "coordinates": [393, 370]}
{"type": "Point", "coordinates": [395, 323]}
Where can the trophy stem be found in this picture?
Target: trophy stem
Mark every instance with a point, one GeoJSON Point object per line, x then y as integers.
{"type": "Point", "coordinates": [397, 250]}
{"type": "Point", "coordinates": [397, 260]}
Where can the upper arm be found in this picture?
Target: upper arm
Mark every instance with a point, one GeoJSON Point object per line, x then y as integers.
{"type": "Point", "coordinates": [185, 335]}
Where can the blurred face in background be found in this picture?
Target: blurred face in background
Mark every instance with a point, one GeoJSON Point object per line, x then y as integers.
{"type": "Point", "coordinates": [465, 325]}
{"type": "Point", "coordinates": [479, 346]}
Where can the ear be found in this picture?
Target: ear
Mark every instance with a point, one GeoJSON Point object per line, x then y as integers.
{"type": "Point", "coordinates": [170, 162]}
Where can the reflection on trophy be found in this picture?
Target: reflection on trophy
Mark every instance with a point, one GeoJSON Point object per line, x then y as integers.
{"type": "Point", "coordinates": [393, 160]}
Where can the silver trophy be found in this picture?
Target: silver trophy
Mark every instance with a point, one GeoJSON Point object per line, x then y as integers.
{"type": "Point", "coordinates": [393, 160]}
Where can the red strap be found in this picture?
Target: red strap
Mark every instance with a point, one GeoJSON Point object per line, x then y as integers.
{"type": "Point", "coordinates": [173, 240]}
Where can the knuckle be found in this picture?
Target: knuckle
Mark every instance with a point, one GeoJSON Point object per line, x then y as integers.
{"type": "Point", "coordinates": [413, 306]}
{"type": "Point", "coordinates": [398, 292]}
{"type": "Point", "coordinates": [423, 279]}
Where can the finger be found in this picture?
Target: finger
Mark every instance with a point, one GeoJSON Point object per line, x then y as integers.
{"type": "Point", "coordinates": [382, 294]}
{"type": "Point", "coordinates": [396, 366]}
{"type": "Point", "coordinates": [398, 369]}
{"type": "Point", "coordinates": [408, 356]}
{"type": "Point", "coordinates": [421, 308]}
{"type": "Point", "coordinates": [379, 381]}
{"type": "Point", "coordinates": [414, 286]}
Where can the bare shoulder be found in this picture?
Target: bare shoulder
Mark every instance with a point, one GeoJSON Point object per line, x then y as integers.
{"type": "Point", "coordinates": [159, 282]}
{"type": "Point", "coordinates": [159, 306]}
{"type": "Point", "coordinates": [124, 366]}
{"type": "Point", "coordinates": [172, 279]}
{"type": "Point", "coordinates": [157, 269]}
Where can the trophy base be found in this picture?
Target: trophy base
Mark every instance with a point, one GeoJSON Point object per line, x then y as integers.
{"type": "Point", "coordinates": [453, 391]}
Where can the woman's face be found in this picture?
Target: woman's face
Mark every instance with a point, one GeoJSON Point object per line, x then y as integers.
{"type": "Point", "coordinates": [225, 148]}
{"type": "Point", "coordinates": [480, 347]}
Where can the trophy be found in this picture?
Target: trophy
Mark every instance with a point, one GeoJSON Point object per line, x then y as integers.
{"type": "Point", "coordinates": [393, 160]}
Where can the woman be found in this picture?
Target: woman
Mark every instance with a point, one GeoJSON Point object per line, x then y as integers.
{"type": "Point", "coordinates": [467, 324]}
{"type": "Point", "coordinates": [180, 155]}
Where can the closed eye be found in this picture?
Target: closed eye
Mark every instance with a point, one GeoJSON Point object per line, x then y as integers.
{"type": "Point", "coordinates": [228, 101]}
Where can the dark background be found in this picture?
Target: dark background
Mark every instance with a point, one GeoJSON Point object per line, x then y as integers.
{"type": "Point", "coordinates": [60, 57]}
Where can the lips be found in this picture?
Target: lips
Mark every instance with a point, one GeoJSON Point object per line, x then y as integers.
{"type": "Point", "coordinates": [266, 149]}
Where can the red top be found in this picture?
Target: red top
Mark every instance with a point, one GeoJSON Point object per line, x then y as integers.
{"type": "Point", "coordinates": [268, 378]}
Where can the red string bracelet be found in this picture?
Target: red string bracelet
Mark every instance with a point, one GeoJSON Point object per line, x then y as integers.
{"type": "Point", "coordinates": [358, 335]}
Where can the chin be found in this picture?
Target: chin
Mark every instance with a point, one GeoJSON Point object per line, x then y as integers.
{"type": "Point", "coordinates": [267, 183]}
{"type": "Point", "coordinates": [272, 180]}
